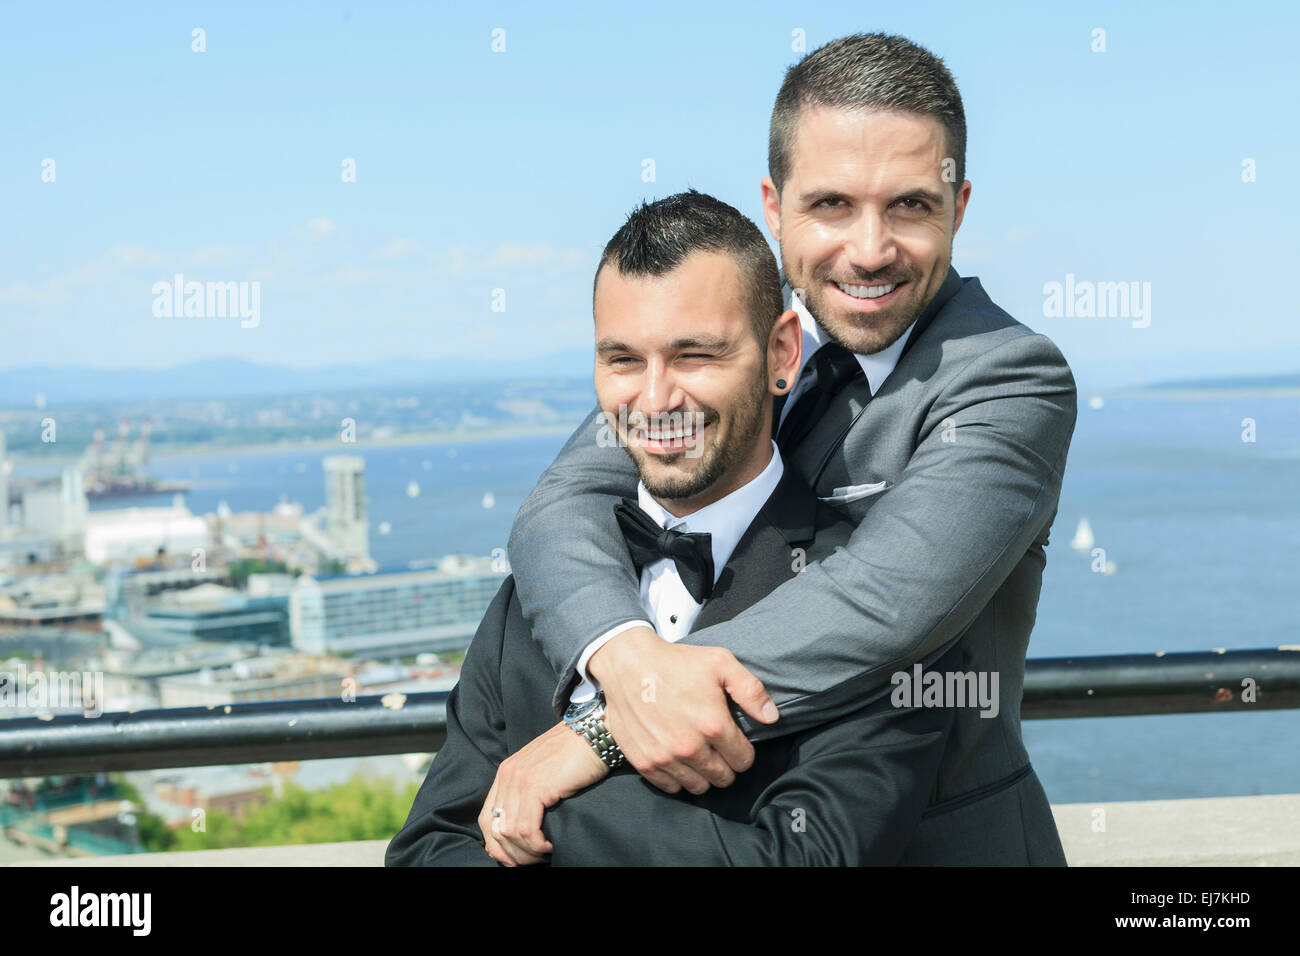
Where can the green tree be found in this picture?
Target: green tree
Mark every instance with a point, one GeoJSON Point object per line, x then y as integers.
{"type": "Point", "coordinates": [155, 835]}
{"type": "Point", "coordinates": [355, 810]}
{"type": "Point", "coordinates": [240, 569]}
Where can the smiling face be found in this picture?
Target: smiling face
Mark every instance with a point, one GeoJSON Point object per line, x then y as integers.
{"type": "Point", "coordinates": [866, 220]}
{"type": "Point", "coordinates": [681, 373]}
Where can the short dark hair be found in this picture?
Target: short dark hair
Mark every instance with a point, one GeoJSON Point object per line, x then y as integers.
{"type": "Point", "coordinates": [867, 71]}
{"type": "Point", "coordinates": [659, 236]}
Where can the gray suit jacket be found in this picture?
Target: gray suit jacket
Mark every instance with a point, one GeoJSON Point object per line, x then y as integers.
{"type": "Point", "coordinates": [858, 790]}
{"type": "Point", "coordinates": [970, 434]}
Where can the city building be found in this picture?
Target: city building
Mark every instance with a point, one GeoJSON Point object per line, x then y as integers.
{"type": "Point", "coordinates": [253, 679]}
{"type": "Point", "coordinates": [132, 677]}
{"type": "Point", "coordinates": [393, 613]}
{"type": "Point", "coordinates": [214, 612]}
{"type": "Point", "coordinates": [52, 600]}
{"type": "Point", "coordinates": [4, 485]}
{"type": "Point", "coordinates": [346, 524]}
{"type": "Point", "coordinates": [139, 534]}
{"type": "Point", "coordinates": [58, 510]}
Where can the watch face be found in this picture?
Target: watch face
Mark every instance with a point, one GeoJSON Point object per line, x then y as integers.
{"type": "Point", "coordinates": [578, 711]}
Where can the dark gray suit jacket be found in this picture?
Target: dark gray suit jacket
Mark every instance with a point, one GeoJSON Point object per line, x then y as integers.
{"type": "Point", "coordinates": [854, 791]}
{"type": "Point", "coordinates": [969, 435]}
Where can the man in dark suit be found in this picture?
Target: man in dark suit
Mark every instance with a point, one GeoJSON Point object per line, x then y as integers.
{"type": "Point", "coordinates": [685, 302]}
{"type": "Point", "coordinates": [934, 419]}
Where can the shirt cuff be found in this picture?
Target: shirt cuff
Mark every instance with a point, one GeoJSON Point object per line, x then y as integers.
{"type": "Point", "coordinates": [588, 686]}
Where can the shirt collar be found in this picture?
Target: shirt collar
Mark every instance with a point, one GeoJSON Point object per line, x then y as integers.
{"type": "Point", "coordinates": [876, 366]}
{"type": "Point", "coordinates": [726, 519]}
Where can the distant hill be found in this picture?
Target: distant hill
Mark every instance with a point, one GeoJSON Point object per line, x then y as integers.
{"type": "Point", "coordinates": [1282, 380]}
{"type": "Point", "coordinates": [236, 377]}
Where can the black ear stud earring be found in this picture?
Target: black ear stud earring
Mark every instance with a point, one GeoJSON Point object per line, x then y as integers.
{"type": "Point", "coordinates": [780, 383]}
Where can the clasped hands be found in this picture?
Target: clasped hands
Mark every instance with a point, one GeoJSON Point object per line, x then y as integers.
{"type": "Point", "coordinates": [666, 707]}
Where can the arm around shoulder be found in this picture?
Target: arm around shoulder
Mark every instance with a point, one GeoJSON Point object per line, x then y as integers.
{"type": "Point", "coordinates": [981, 485]}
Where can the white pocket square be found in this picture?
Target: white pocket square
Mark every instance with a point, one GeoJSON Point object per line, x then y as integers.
{"type": "Point", "coordinates": [842, 496]}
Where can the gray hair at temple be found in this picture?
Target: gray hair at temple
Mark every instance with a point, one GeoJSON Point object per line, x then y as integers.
{"type": "Point", "coordinates": [659, 236]}
{"type": "Point", "coordinates": [867, 71]}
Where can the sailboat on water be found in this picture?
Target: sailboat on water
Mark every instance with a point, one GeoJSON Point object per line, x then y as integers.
{"type": "Point", "coordinates": [1083, 539]}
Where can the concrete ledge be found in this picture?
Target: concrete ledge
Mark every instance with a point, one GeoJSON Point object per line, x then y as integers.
{"type": "Point", "coordinates": [1220, 831]}
{"type": "Point", "coordinates": [361, 853]}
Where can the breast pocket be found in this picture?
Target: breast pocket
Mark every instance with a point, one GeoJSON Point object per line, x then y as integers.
{"type": "Point", "coordinates": [850, 493]}
{"type": "Point", "coordinates": [854, 501]}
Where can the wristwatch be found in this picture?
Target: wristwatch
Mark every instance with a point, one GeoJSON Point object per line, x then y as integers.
{"type": "Point", "coordinates": [588, 719]}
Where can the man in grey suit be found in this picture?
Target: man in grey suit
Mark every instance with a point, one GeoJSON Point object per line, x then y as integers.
{"type": "Point", "coordinates": [686, 305]}
{"type": "Point", "coordinates": [938, 422]}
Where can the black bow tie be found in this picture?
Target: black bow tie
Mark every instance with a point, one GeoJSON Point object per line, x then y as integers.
{"type": "Point", "coordinates": [647, 542]}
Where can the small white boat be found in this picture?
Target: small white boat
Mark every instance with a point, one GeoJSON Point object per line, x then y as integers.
{"type": "Point", "coordinates": [489, 500]}
{"type": "Point", "coordinates": [413, 489]}
{"type": "Point", "coordinates": [1083, 539]}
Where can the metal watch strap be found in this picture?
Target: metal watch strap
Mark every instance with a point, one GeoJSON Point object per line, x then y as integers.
{"type": "Point", "coordinates": [592, 727]}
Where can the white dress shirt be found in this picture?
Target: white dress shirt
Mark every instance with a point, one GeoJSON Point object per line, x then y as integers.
{"type": "Point", "coordinates": [670, 607]}
{"type": "Point", "coordinates": [876, 367]}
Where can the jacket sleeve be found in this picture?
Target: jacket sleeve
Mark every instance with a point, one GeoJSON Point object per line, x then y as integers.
{"type": "Point", "coordinates": [929, 555]}
{"type": "Point", "coordinates": [574, 576]}
{"type": "Point", "coordinates": [852, 795]}
{"type": "Point", "coordinates": [442, 827]}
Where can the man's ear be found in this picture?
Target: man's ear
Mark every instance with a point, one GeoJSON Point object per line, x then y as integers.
{"type": "Point", "coordinates": [962, 198]}
{"type": "Point", "coordinates": [784, 352]}
{"type": "Point", "coordinates": [771, 207]}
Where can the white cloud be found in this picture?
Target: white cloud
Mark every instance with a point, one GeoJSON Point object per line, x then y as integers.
{"type": "Point", "coordinates": [19, 292]}
{"type": "Point", "coordinates": [537, 254]}
{"type": "Point", "coordinates": [320, 228]}
{"type": "Point", "coordinates": [398, 249]}
{"type": "Point", "coordinates": [351, 274]}
{"type": "Point", "coordinates": [466, 260]}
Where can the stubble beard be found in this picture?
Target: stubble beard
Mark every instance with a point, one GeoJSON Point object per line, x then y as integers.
{"type": "Point", "coordinates": [722, 454]}
{"type": "Point", "coordinates": [849, 331]}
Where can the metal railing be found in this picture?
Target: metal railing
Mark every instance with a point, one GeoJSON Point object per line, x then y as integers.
{"type": "Point", "coordinates": [1107, 686]}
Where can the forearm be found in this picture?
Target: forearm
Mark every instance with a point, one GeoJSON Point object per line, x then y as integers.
{"type": "Point", "coordinates": [573, 574]}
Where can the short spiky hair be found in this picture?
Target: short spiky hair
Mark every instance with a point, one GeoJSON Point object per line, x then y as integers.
{"type": "Point", "coordinates": [659, 236]}
{"type": "Point", "coordinates": [867, 71]}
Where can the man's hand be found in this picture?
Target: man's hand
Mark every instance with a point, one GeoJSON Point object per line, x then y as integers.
{"type": "Point", "coordinates": [666, 707]}
{"type": "Point", "coordinates": [556, 765]}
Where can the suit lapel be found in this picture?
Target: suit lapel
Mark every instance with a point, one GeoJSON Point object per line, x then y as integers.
{"type": "Point", "coordinates": [762, 558]}
{"type": "Point", "coordinates": [847, 407]}
{"type": "Point", "coordinates": [812, 453]}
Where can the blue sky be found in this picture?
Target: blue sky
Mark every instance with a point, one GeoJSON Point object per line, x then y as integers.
{"type": "Point", "coordinates": [478, 170]}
